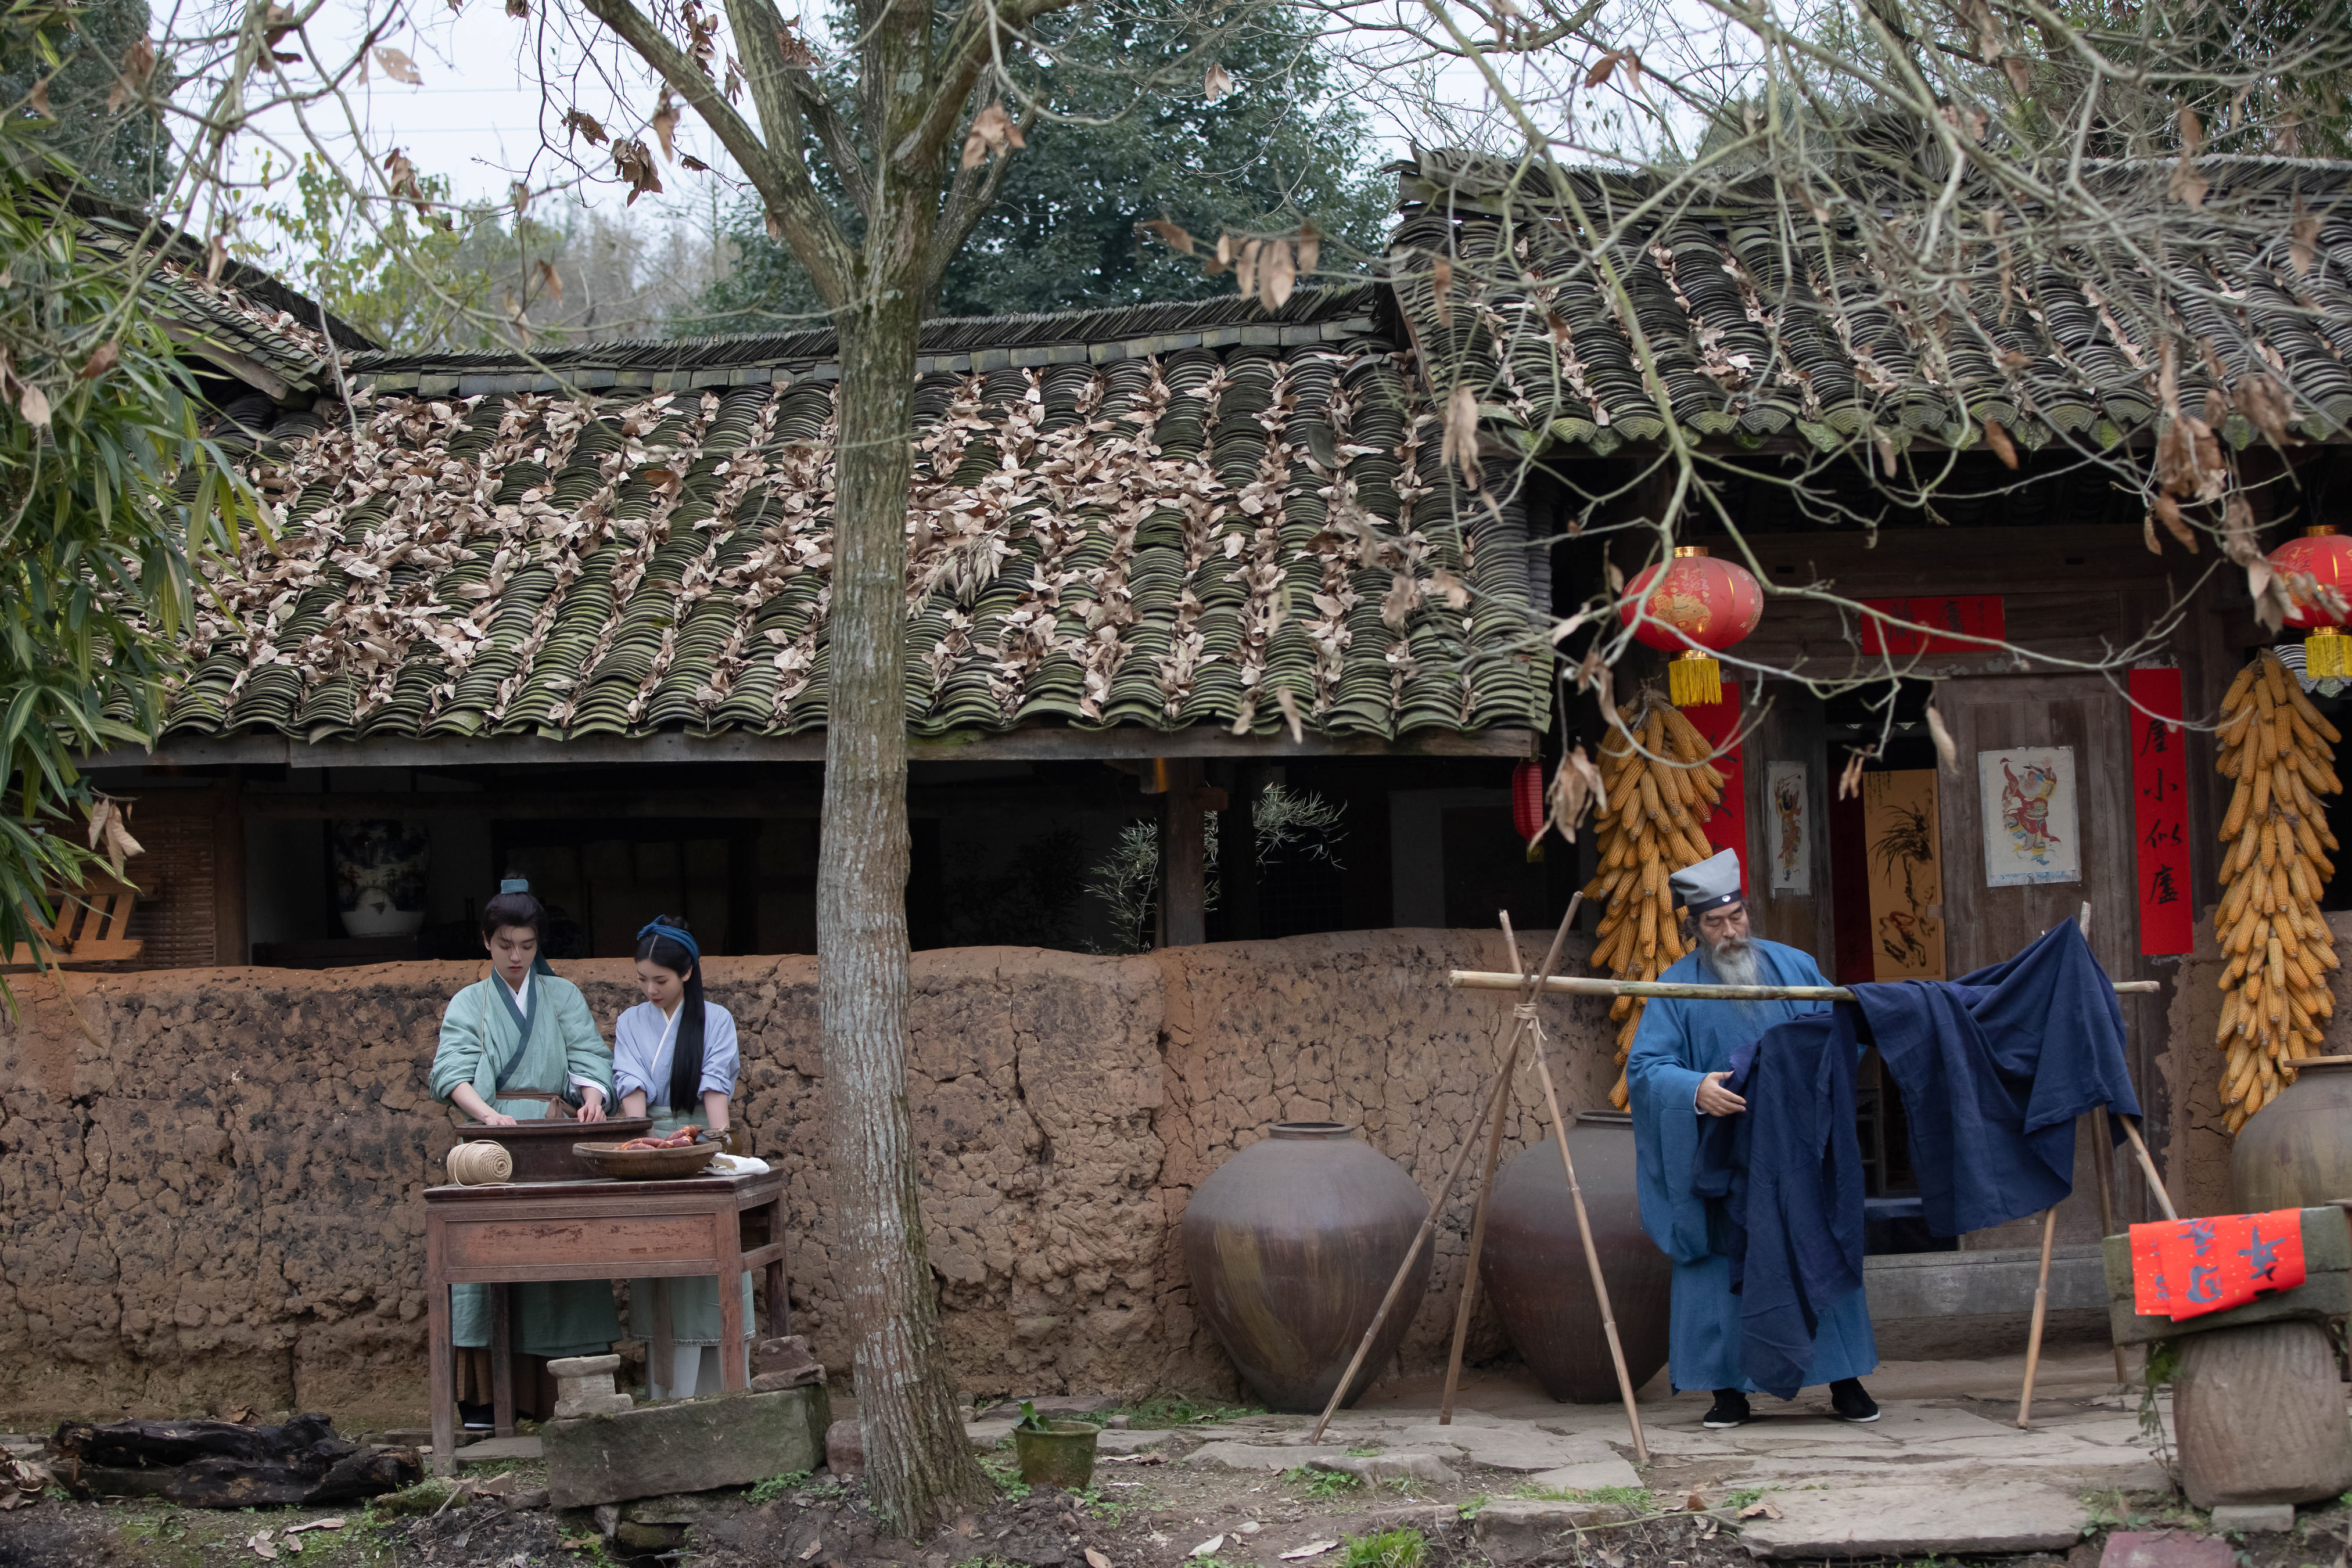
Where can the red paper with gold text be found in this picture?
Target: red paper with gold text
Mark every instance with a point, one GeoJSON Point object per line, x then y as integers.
{"type": "Point", "coordinates": [2160, 813]}
{"type": "Point", "coordinates": [1726, 829]}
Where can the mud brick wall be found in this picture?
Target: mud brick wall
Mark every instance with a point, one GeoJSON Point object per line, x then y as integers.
{"type": "Point", "coordinates": [210, 1179]}
{"type": "Point", "coordinates": [2197, 1164]}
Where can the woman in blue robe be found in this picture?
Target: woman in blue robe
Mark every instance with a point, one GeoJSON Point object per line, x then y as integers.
{"type": "Point", "coordinates": [1673, 1071]}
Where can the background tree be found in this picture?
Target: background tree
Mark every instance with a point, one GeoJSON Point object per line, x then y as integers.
{"type": "Point", "coordinates": [108, 487]}
{"type": "Point", "coordinates": [433, 273]}
{"type": "Point", "coordinates": [1283, 145]}
{"type": "Point", "coordinates": [73, 56]}
{"type": "Point", "coordinates": [881, 123]}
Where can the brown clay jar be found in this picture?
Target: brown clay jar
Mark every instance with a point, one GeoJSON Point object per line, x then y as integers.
{"type": "Point", "coordinates": [1290, 1245]}
{"type": "Point", "coordinates": [1532, 1263]}
{"type": "Point", "coordinates": [2296, 1152]}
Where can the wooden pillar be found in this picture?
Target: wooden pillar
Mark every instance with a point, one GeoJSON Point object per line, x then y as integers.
{"type": "Point", "coordinates": [1183, 858]}
{"type": "Point", "coordinates": [229, 947]}
{"type": "Point", "coordinates": [1237, 854]}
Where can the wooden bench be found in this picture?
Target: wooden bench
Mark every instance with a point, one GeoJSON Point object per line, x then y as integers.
{"type": "Point", "coordinates": [90, 928]}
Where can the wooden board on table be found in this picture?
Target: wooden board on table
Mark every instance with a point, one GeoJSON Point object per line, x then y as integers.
{"type": "Point", "coordinates": [2325, 1290]}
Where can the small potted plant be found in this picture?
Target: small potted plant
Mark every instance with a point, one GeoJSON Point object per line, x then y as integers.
{"type": "Point", "coordinates": [1054, 1453]}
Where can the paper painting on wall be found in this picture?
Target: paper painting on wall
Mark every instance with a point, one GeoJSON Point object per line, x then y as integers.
{"type": "Point", "coordinates": [1903, 834]}
{"type": "Point", "coordinates": [2026, 794]}
{"type": "Point", "coordinates": [1789, 835]}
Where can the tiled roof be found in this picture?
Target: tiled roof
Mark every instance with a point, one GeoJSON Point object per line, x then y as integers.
{"type": "Point", "coordinates": [1153, 516]}
{"type": "Point", "coordinates": [2049, 337]}
{"type": "Point", "coordinates": [243, 321]}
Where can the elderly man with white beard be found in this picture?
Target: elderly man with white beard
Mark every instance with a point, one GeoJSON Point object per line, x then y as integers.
{"type": "Point", "coordinates": [1675, 1071]}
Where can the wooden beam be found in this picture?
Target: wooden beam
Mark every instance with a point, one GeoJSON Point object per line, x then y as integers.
{"type": "Point", "coordinates": [1127, 742]}
{"type": "Point", "coordinates": [228, 877]}
{"type": "Point", "coordinates": [1183, 859]}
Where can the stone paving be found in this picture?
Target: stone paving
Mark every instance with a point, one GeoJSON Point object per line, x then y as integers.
{"type": "Point", "coordinates": [1944, 1470]}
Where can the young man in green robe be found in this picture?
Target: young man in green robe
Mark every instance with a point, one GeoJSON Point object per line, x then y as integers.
{"type": "Point", "coordinates": [521, 1046]}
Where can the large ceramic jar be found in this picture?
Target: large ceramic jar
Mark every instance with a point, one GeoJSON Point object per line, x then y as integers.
{"type": "Point", "coordinates": [1290, 1245]}
{"type": "Point", "coordinates": [1532, 1264]}
{"type": "Point", "coordinates": [2296, 1152]}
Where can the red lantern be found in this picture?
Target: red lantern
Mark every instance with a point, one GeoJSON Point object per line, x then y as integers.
{"type": "Point", "coordinates": [1527, 814]}
{"type": "Point", "coordinates": [2322, 604]}
{"type": "Point", "coordinates": [1691, 607]}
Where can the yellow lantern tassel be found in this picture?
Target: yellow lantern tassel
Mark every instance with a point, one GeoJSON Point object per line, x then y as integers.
{"type": "Point", "coordinates": [1695, 679]}
{"type": "Point", "coordinates": [2328, 654]}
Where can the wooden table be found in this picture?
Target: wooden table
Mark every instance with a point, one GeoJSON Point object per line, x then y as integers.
{"type": "Point", "coordinates": [524, 1233]}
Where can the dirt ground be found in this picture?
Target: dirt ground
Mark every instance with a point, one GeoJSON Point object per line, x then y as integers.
{"type": "Point", "coordinates": [1144, 1514]}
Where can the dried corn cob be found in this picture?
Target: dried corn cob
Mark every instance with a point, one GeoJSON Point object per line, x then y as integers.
{"type": "Point", "coordinates": [2274, 996]}
{"type": "Point", "coordinates": [1658, 798]}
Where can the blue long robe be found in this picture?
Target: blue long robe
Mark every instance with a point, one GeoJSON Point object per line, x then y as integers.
{"type": "Point", "coordinates": [1678, 1044]}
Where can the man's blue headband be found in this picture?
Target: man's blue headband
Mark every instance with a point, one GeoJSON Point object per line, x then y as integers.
{"type": "Point", "coordinates": [684, 939]}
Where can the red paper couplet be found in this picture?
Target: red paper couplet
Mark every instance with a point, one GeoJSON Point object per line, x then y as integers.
{"type": "Point", "coordinates": [2160, 813]}
{"type": "Point", "coordinates": [1970, 614]}
{"type": "Point", "coordinates": [2184, 1268]}
{"type": "Point", "coordinates": [1726, 827]}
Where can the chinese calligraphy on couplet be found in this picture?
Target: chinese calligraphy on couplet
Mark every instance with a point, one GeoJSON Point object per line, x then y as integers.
{"type": "Point", "coordinates": [2160, 813]}
{"type": "Point", "coordinates": [2186, 1268]}
{"type": "Point", "coordinates": [1969, 622]}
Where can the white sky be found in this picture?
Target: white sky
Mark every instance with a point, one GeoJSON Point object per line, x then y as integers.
{"type": "Point", "coordinates": [476, 117]}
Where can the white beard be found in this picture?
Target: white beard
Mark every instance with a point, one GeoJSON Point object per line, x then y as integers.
{"type": "Point", "coordinates": [1735, 963]}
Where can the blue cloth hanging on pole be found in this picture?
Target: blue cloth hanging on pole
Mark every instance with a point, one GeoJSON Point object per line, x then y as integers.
{"type": "Point", "coordinates": [1993, 1067]}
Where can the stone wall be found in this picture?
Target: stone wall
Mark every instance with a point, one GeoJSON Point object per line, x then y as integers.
{"type": "Point", "coordinates": [210, 1179]}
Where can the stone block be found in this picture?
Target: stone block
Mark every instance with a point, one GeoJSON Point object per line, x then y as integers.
{"type": "Point", "coordinates": [2255, 1518]}
{"type": "Point", "coordinates": [1517, 1532]}
{"type": "Point", "coordinates": [2168, 1549]}
{"type": "Point", "coordinates": [731, 1439]}
{"type": "Point", "coordinates": [844, 1449]}
{"type": "Point", "coordinates": [490, 1450]}
{"type": "Point", "coordinates": [1255, 1457]}
{"type": "Point", "coordinates": [1402, 1464]}
{"type": "Point", "coordinates": [1590, 1476]}
{"type": "Point", "coordinates": [782, 1355]}
{"type": "Point", "coordinates": [1961, 1520]}
{"type": "Point", "coordinates": [607, 1402]}
{"type": "Point", "coordinates": [584, 1366]}
{"type": "Point", "coordinates": [1120, 1440]}
{"type": "Point", "coordinates": [808, 1377]}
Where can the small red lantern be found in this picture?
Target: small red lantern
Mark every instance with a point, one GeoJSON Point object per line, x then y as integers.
{"type": "Point", "coordinates": [2324, 557]}
{"type": "Point", "coordinates": [1527, 814]}
{"type": "Point", "coordinates": [1693, 606]}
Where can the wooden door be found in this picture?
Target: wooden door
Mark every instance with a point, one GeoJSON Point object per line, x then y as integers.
{"type": "Point", "coordinates": [1984, 925]}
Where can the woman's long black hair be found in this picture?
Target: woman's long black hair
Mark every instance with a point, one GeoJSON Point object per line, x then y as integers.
{"type": "Point", "coordinates": [686, 1059]}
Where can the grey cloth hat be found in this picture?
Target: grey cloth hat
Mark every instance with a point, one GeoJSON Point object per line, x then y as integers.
{"type": "Point", "coordinates": [1710, 884]}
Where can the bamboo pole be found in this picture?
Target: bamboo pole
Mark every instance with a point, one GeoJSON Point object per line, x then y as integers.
{"type": "Point", "coordinates": [2102, 1147]}
{"type": "Point", "coordinates": [1691, 990]}
{"type": "Point", "coordinates": [2041, 1312]}
{"type": "Point", "coordinates": [2147, 1169]}
{"type": "Point", "coordinates": [1478, 1221]}
{"type": "Point", "coordinates": [1429, 1222]}
{"type": "Point", "coordinates": [1592, 1253]}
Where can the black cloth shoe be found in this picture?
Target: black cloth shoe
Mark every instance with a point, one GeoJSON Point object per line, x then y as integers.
{"type": "Point", "coordinates": [1730, 1409]}
{"type": "Point", "coordinates": [474, 1418]}
{"type": "Point", "coordinates": [1852, 1401]}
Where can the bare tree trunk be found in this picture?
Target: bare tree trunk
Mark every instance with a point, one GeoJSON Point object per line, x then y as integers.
{"type": "Point", "coordinates": [918, 1466]}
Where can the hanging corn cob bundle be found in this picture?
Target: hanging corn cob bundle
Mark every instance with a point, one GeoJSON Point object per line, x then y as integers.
{"type": "Point", "coordinates": [2274, 993]}
{"type": "Point", "coordinates": [1649, 828]}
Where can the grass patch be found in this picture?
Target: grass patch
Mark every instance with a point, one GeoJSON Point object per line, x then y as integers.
{"type": "Point", "coordinates": [1389, 1548]}
{"type": "Point", "coordinates": [1323, 1485]}
{"type": "Point", "coordinates": [1743, 1496]}
{"type": "Point", "coordinates": [1006, 1476]}
{"type": "Point", "coordinates": [1635, 1500]}
{"type": "Point", "coordinates": [1163, 1414]}
{"type": "Point", "coordinates": [774, 1487]}
{"type": "Point", "coordinates": [1362, 1453]}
